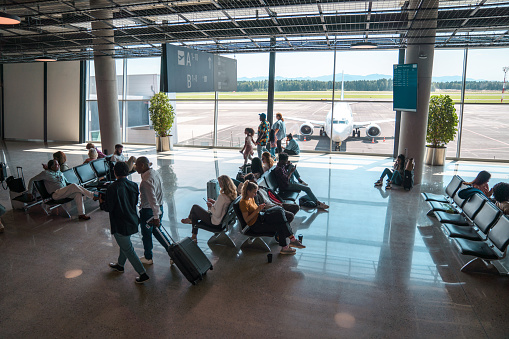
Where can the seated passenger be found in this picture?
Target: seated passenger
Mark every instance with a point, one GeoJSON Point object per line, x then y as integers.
{"type": "Point", "coordinates": [92, 155]}
{"type": "Point", "coordinates": [283, 171]}
{"type": "Point", "coordinates": [257, 167]}
{"type": "Point", "coordinates": [481, 183]}
{"type": "Point", "coordinates": [99, 153]}
{"type": "Point", "coordinates": [62, 161]}
{"type": "Point", "coordinates": [55, 184]}
{"type": "Point", "coordinates": [216, 208]}
{"type": "Point", "coordinates": [274, 219]}
{"type": "Point", "coordinates": [268, 163]}
{"type": "Point", "coordinates": [262, 197]}
{"type": "Point", "coordinates": [394, 176]}
{"type": "Point", "coordinates": [293, 147]}
{"type": "Point", "coordinates": [118, 156]}
{"type": "Point", "coordinates": [501, 194]}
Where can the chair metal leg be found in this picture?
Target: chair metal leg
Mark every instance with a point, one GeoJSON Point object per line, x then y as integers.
{"type": "Point", "coordinates": [256, 244]}
{"type": "Point", "coordinates": [221, 238]}
{"type": "Point", "coordinates": [478, 265]}
{"type": "Point", "coordinates": [45, 209]}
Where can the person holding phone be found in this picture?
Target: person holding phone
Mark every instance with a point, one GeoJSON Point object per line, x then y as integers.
{"type": "Point", "coordinates": [284, 171]}
{"type": "Point", "coordinates": [216, 209]}
{"type": "Point", "coordinates": [273, 220]}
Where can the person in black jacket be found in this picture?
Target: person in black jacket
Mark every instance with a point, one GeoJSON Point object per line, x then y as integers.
{"type": "Point", "coordinates": [121, 201]}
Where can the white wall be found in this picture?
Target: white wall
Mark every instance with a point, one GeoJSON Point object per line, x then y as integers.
{"type": "Point", "coordinates": [24, 101]}
{"type": "Point", "coordinates": [63, 100]}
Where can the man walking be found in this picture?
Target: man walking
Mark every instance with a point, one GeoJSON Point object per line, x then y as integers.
{"type": "Point", "coordinates": [263, 135]}
{"type": "Point", "coordinates": [121, 201]}
{"type": "Point", "coordinates": [151, 196]}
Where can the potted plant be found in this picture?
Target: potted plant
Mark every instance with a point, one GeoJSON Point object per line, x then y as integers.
{"type": "Point", "coordinates": [162, 116]}
{"type": "Point", "coordinates": [442, 123]}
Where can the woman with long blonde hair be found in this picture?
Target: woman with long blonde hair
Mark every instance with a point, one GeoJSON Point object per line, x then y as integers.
{"type": "Point", "coordinates": [267, 161]}
{"type": "Point", "coordinates": [216, 208]}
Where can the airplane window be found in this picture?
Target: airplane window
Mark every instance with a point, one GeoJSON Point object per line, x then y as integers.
{"type": "Point", "coordinates": [340, 122]}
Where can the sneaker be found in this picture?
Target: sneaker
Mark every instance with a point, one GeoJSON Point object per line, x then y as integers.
{"type": "Point", "coordinates": [296, 243]}
{"type": "Point", "coordinates": [303, 183]}
{"type": "Point", "coordinates": [388, 186]}
{"type": "Point", "coordinates": [287, 250]}
{"type": "Point", "coordinates": [379, 183]}
{"type": "Point", "coordinates": [83, 217]}
{"type": "Point", "coordinates": [142, 278]}
{"type": "Point", "coordinates": [146, 261]}
{"type": "Point", "coordinates": [116, 267]}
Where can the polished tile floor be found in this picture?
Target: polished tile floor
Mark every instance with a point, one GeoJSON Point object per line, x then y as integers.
{"type": "Point", "coordinates": [375, 265]}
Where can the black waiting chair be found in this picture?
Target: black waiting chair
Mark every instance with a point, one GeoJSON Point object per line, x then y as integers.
{"type": "Point", "coordinates": [483, 221]}
{"type": "Point", "coordinates": [220, 234]}
{"type": "Point", "coordinates": [87, 176]}
{"type": "Point", "coordinates": [48, 203]}
{"type": "Point", "coordinates": [71, 176]}
{"type": "Point", "coordinates": [254, 239]}
{"type": "Point", "coordinates": [456, 219]}
{"type": "Point", "coordinates": [486, 252]}
{"type": "Point", "coordinates": [103, 171]}
{"type": "Point", "coordinates": [450, 190]}
{"type": "Point", "coordinates": [271, 182]}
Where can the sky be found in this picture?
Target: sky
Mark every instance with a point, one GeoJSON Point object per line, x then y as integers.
{"type": "Point", "coordinates": [483, 64]}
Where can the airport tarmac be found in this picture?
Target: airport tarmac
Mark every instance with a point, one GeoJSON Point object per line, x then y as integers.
{"type": "Point", "coordinates": [484, 131]}
{"type": "Point", "coordinates": [484, 126]}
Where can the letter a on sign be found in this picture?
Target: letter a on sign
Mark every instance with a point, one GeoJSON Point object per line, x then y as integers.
{"type": "Point", "coordinates": [188, 63]}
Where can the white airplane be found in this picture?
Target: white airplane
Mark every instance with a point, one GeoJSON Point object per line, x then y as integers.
{"type": "Point", "coordinates": [343, 125]}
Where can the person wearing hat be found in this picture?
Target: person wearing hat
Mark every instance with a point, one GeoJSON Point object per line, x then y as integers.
{"type": "Point", "coordinates": [263, 135]}
{"type": "Point", "coordinates": [293, 147]}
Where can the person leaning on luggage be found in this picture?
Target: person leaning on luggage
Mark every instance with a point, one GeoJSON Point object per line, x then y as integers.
{"type": "Point", "coordinates": [58, 187]}
{"type": "Point", "coordinates": [151, 201]}
{"type": "Point", "coordinates": [274, 220]}
{"type": "Point", "coordinates": [216, 208]}
{"type": "Point", "coordinates": [121, 201]}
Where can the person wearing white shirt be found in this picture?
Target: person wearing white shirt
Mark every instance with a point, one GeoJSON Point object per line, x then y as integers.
{"type": "Point", "coordinates": [216, 208]}
{"type": "Point", "coordinates": [118, 156]}
{"type": "Point", "coordinates": [151, 201]}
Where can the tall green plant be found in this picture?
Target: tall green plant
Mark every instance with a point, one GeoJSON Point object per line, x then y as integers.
{"type": "Point", "coordinates": [442, 121]}
{"type": "Point", "coordinates": [161, 114]}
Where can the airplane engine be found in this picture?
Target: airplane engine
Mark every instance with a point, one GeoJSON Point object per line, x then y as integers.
{"type": "Point", "coordinates": [373, 130]}
{"type": "Point", "coordinates": [306, 129]}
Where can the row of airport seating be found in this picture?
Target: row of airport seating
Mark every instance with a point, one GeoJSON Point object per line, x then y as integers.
{"type": "Point", "coordinates": [92, 176]}
{"type": "Point", "coordinates": [254, 239]}
{"type": "Point", "coordinates": [475, 225]}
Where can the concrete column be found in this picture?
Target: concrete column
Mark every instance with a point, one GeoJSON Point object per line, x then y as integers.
{"type": "Point", "coordinates": [106, 76]}
{"type": "Point", "coordinates": [420, 51]}
{"type": "Point", "coordinates": [272, 74]}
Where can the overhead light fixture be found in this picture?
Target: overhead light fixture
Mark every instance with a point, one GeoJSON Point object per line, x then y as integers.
{"type": "Point", "coordinates": [45, 59]}
{"type": "Point", "coordinates": [364, 45]}
{"type": "Point", "coordinates": [9, 19]}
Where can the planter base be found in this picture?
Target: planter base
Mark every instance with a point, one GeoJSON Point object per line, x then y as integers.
{"type": "Point", "coordinates": [435, 156]}
{"type": "Point", "coordinates": [164, 144]}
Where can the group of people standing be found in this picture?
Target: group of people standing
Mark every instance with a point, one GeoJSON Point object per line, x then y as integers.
{"type": "Point", "coordinates": [268, 139]}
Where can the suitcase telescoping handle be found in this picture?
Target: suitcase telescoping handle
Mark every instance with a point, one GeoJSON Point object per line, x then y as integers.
{"type": "Point", "coordinates": [19, 172]}
{"type": "Point", "coordinates": [147, 225]}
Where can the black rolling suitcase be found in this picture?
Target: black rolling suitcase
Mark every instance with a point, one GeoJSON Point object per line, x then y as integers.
{"type": "Point", "coordinates": [188, 257]}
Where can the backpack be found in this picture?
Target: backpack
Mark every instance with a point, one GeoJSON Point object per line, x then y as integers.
{"type": "Point", "coordinates": [274, 197]}
{"type": "Point", "coordinates": [305, 201]}
{"type": "Point", "coordinates": [408, 180]}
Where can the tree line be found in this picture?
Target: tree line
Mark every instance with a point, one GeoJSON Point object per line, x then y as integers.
{"type": "Point", "coordinates": [358, 85]}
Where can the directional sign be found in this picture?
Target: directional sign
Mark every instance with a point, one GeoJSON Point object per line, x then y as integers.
{"type": "Point", "coordinates": [404, 88]}
{"type": "Point", "coordinates": [189, 70]}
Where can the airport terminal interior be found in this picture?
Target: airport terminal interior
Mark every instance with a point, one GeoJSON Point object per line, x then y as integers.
{"type": "Point", "coordinates": [376, 263]}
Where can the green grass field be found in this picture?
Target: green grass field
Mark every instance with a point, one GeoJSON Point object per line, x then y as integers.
{"type": "Point", "coordinates": [470, 97]}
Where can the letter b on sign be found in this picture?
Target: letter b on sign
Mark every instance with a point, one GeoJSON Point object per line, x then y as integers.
{"type": "Point", "coordinates": [189, 81]}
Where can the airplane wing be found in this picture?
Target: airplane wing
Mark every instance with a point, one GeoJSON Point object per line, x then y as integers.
{"type": "Point", "coordinates": [316, 123]}
{"type": "Point", "coordinates": [362, 124]}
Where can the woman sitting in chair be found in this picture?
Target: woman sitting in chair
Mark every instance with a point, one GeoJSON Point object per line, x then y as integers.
{"type": "Point", "coordinates": [481, 183]}
{"type": "Point", "coordinates": [216, 208]}
{"type": "Point", "coordinates": [273, 220]}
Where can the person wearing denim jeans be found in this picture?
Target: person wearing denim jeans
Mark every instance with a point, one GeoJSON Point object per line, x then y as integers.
{"type": "Point", "coordinates": [151, 201]}
{"type": "Point", "coordinates": [120, 201]}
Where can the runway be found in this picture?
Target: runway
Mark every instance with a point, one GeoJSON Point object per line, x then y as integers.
{"type": "Point", "coordinates": [484, 131]}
